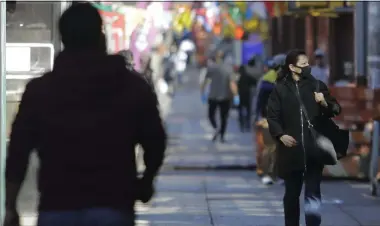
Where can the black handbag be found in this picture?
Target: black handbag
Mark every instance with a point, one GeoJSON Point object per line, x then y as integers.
{"type": "Point", "coordinates": [329, 139]}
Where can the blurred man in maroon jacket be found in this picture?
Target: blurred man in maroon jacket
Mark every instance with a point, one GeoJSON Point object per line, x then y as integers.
{"type": "Point", "coordinates": [84, 119]}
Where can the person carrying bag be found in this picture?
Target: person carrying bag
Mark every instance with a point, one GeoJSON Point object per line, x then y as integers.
{"type": "Point", "coordinates": [295, 110]}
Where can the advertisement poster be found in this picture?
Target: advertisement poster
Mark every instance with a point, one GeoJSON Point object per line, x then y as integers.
{"type": "Point", "coordinates": [114, 27]}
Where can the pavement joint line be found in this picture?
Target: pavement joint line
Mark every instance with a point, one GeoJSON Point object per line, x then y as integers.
{"type": "Point", "coordinates": [349, 215]}
{"type": "Point", "coordinates": [207, 202]}
{"type": "Point", "coordinates": [216, 168]}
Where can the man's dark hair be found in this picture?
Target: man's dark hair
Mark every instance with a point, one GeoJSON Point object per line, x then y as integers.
{"type": "Point", "coordinates": [80, 27]}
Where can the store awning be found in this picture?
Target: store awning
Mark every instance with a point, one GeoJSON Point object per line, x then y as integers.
{"type": "Point", "coordinates": [319, 8]}
{"type": "Point", "coordinates": [276, 9]}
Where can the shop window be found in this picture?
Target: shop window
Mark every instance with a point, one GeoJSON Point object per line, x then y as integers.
{"type": "Point", "coordinates": [30, 30]}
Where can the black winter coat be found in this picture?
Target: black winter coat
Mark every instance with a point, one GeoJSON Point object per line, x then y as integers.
{"type": "Point", "coordinates": [284, 118]}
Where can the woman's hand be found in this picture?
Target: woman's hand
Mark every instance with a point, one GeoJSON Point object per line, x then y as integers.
{"type": "Point", "coordinates": [288, 141]}
{"type": "Point", "coordinates": [320, 98]}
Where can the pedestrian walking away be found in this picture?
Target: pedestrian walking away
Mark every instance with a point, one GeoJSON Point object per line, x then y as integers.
{"type": "Point", "coordinates": [223, 88]}
{"type": "Point", "coordinates": [298, 158]}
{"type": "Point", "coordinates": [84, 119]}
{"type": "Point", "coordinates": [246, 83]}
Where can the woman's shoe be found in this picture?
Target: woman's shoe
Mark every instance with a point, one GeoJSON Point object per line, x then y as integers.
{"type": "Point", "coordinates": [216, 134]}
{"type": "Point", "coordinates": [267, 180]}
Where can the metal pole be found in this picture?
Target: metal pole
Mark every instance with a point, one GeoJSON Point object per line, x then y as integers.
{"type": "Point", "coordinates": [3, 135]}
{"type": "Point", "coordinates": [360, 24]}
{"type": "Point", "coordinates": [373, 65]}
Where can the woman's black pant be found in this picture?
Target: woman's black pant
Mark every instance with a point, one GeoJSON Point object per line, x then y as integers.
{"type": "Point", "coordinates": [293, 185]}
{"type": "Point", "coordinates": [245, 111]}
{"type": "Point", "coordinates": [224, 108]}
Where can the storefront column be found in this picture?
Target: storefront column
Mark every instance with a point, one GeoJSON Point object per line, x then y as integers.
{"type": "Point", "coordinates": [323, 34]}
{"type": "Point", "coordinates": [360, 29]}
{"type": "Point", "coordinates": [309, 45]}
{"type": "Point", "coordinates": [373, 65]}
{"type": "Point", "coordinates": [3, 135]}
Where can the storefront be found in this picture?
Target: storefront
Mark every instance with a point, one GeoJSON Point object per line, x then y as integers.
{"type": "Point", "coordinates": [28, 41]}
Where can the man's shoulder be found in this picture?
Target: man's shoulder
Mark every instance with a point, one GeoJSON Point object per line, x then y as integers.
{"type": "Point", "coordinates": [37, 83]}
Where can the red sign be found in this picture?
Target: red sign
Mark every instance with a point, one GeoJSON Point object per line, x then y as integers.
{"type": "Point", "coordinates": [114, 28]}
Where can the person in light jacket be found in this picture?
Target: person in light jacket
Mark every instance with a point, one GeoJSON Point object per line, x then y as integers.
{"type": "Point", "coordinates": [298, 159]}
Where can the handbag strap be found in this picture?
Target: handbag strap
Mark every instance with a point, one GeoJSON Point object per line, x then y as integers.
{"type": "Point", "coordinates": [303, 106]}
{"type": "Point", "coordinates": [310, 125]}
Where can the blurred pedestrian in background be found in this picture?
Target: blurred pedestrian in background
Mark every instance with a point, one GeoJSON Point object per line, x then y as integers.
{"type": "Point", "coordinates": [320, 69]}
{"type": "Point", "coordinates": [84, 119]}
{"type": "Point", "coordinates": [129, 59]}
{"type": "Point", "coordinates": [222, 89]}
{"type": "Point", "coordinates": [246, 83]}
{"type": "Point", "coordinates": [266, 87]}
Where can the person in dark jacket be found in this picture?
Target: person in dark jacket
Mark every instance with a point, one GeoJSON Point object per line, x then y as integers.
{"type": "Point", "coordinates": [130, 65]}
{"type": "Point", "coordinates": [84, 119]}
{"type": "Point", "coordinates": [298, 159]}
{"type": "Point", "coordinates": [245, 84]}
{"type": "Point", "coordinates": [267, 84]}
{"type": "Point", "coordinates": [129, 59]}
{"type": "Point", "coordinates": [265, 88]}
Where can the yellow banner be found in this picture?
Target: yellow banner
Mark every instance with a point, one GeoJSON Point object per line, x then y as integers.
{"type": "Point", "coordinates": [312, 4]}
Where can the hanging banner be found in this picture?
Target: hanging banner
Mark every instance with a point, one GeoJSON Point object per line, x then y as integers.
{"type": "Point", "coordinates": [114, 28]}
{"type": "Point", "coordinates": [250, 49]}
{"type": "Point", "coordinates": [143, 38]}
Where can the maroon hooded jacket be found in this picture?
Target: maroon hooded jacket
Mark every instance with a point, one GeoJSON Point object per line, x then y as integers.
{"type": "Point", "coordinates": [84, 119]}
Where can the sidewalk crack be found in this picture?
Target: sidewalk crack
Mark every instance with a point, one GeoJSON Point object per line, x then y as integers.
{"type": "Point", "coordinates": [207, 199]}
{"type": "Point", "coordinates": [349, 215]}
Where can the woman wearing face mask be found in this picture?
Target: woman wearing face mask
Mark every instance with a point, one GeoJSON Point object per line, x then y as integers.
{"type": "Point", "coordinates": [298, 159]}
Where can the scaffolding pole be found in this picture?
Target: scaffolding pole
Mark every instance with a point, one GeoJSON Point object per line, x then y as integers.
{"type": "Point", "coordinates": [3, 135]}
{"type": "Point", "coordinates": [373, 66]}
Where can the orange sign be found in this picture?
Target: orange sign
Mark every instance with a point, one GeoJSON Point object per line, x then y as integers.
{"type": "Point", "coordinates": [114, 28]}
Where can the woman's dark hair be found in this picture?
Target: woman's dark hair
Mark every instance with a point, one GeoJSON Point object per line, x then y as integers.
{"type": "Point", "coordinates": [291, 58]}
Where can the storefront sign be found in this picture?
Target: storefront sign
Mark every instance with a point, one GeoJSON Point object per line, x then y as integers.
{"type": "Point", "coordinates": [114, 27]}
{"type": "Point", "coordinates": [312, 4]}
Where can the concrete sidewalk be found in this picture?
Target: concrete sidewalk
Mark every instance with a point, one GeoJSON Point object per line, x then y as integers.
{"type": "Point", "coordinates": [229, 198]}
{"type": "Point", "coordinates": [190, 145]}
{"type": "Point", "coordinates": [232, 197]}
